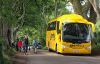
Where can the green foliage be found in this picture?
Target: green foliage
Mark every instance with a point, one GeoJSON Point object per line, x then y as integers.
{"type": "Point", "coordinates": [96, 49]}
{"type": "Point", "coordinates": [36, 17]}
{"type": "Point", "coordinates": [32, 32]}
{"type": "Point", "coordinates": [2, 58]}
{"type": "Point", "coordinates": [5, 52]}
{"type": "Point", "coordinates": [98, 31]}
{"type": "Point", "coordinates": [44, 48]}
{"type": "Point", "coordinates": [1, 51]}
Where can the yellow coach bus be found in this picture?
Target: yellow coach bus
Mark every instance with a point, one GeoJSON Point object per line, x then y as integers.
{"type": "Point", "coordinates": [70, 33]}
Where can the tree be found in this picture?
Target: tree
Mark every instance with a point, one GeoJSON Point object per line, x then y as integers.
{"type": "Point", "coordinates": [14, 15]}
{"type": "Point", "coordinates": [96, 6]}
{"type": "Point", "coordinates": [84, 8]}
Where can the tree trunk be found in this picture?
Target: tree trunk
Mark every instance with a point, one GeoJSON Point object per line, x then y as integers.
{"type": "Point", "coordinates": [56, 8]}
{"type": "Point", "coordinates": [77, 6]}
{"type": "Point", "coordinates": [93, 15]}
{"type": "Point", "coordinates": [84, 10]}
{"type": "Point", "coordinates": [95, 4]}
{"type": "Point", "coordinates": [5, 32]}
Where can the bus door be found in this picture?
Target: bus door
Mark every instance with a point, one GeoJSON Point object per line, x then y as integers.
{"type": "Point", "coordinates": [58, 33]}
{"type": "Point", "coordinates": [52, 35]}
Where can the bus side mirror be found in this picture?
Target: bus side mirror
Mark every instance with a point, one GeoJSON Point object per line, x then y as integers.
{"type": "Point", "coordinates": [58, 31]}
{"type": "Point", "coordinates": [95, 35]}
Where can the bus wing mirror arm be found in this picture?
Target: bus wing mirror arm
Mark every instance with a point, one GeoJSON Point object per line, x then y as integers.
{"type": "Point", "coordinates": [59, 31]}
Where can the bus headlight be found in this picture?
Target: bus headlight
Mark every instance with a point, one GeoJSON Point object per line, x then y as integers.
{"type": "Point", "coordinates": [64, 46]}
{"type": "Point", "coordinates": [89, 47]}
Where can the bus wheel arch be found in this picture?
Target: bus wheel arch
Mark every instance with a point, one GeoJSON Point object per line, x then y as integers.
{"type": "Point", "coordinates": [49, 47]}
{"type": "Point", "coordinates": [56, 49]}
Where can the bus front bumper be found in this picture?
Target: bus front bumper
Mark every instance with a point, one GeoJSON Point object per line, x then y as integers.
{"type": "Point", "coordinates": [76, 51]}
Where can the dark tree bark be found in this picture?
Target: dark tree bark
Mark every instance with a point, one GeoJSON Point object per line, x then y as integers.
{"type": "Point", "coordinates": [56, 7]}
{"type": "Point", "coordinates": [84, 10]}
{"type": "Point", "coordinates": [95, 4]}
{"type": "Point", "coordinates": [93, 15]}
{"type": "Point", "coordinates": [9, 36]}
{"type": "Point", "coordinates": [77, 6]}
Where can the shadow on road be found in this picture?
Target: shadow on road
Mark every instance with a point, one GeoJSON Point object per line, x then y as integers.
{"type": "Point", "coordinates": [19, 60]}
{"type": "Point", "coordinates": [89, 55]}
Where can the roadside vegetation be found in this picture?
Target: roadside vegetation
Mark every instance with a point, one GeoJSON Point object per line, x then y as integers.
{"type": "Point", "coordinates": [96, 46]}
{"type": "Point", "coordinates": [6, 52]}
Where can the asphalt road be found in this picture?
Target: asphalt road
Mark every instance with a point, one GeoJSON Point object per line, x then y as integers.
{"type": "Point", "coordinates": [45, 57]}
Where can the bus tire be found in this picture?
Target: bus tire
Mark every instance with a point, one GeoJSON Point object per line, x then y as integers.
{"type": "Point", "coordinates": [56, 49]}
{"type": "Point", "coordinates": [49, 48]}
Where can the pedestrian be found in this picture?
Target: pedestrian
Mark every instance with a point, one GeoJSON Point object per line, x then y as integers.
{"type": "Point", "coordinates": [19, 44]}
{"type": "Point", "coordinates": [16, 43]}
{"type": "Point", "coordinates": [29, 48]}
{"type": "Point", "coordinates": [13, 45]}
{"type": "Point", "coordinates": [25, 44]}
{"type": "Point", "coordinates": [35, 44]}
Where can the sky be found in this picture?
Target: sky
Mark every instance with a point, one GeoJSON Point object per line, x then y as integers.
{"type": "Point", "coordinates": [70, 7]}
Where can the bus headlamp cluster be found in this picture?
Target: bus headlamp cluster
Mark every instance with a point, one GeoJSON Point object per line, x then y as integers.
{"type": "Point", "coordinates": [64, 46]}
{"type": "Point", "coordinates": [89, 47]}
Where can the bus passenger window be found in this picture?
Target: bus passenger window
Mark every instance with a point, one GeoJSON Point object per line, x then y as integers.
{"type": "Point", "coordinates": [52, 26]}
{"type": "Point", "coordinates": [58, 30]}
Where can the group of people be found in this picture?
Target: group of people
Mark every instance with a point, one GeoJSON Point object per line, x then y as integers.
{"type": "Point", "coordinates": [23, 45]}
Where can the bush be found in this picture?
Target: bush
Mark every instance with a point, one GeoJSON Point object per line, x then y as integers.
{"type": "Point", "coordinates": [98, 31]}
{"type": "Point", "coordinates": [5, 52]}
{"type": "Point", "coordinates": [44, 48]}
{"type": "Point", "coordinates": [1, 52]}
{"type": "Point", "coordinates": [96, 49]}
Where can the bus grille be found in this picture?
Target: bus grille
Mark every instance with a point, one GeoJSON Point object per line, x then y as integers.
{"type": "Point", "coordinates": [77, 46]}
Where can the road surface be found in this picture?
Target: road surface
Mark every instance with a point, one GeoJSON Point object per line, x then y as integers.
{"type": "Point", "coordinates": [45, 57]}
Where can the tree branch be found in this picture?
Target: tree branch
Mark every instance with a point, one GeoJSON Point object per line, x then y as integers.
{"type": "Point", "coordinates": [96, 8]}
{"type": "Point", "coordinates": [77, 6]}
{"type": "Point", "coordinates": [21, 18]}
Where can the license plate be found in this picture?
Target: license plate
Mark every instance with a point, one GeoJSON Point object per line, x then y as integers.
{"type": "Point", "coordinates": [76, 50]}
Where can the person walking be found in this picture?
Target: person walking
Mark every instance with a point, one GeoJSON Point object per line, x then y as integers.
{"type": "Point", "coordinates": [19, 44]}
{"type": "Point", "coordinates": [35, 44]}
{"type": "Point", "coordinates": [25, 44]}
{"type": "Point", "coordinates": [16, 43]}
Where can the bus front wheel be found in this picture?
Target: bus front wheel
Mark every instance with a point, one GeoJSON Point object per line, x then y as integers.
{"type": "Point", "coordinates": [49, 48]}
{"type": "Point", "coordinates": [56, 49]}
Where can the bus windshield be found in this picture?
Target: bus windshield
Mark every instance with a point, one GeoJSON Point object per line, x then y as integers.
{"type": "Point", "coordinates": [76, 33]}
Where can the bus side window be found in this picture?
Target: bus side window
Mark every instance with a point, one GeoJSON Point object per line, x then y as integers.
{"type": "Point", "coordinates": [48, 27]}
{"type": "Point", "coordinates": [52, 26]}
{"type": "Point", "coordinates": [58, 30]}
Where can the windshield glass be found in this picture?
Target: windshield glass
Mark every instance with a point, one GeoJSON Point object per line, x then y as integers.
{"type": "Point", "coordinates": [76, 32]}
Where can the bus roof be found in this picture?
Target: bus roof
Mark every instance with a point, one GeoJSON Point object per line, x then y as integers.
{"type": "Point", "coordinates": [73, 18]}
{"type": "Point", "coordinates": [70, 18]}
